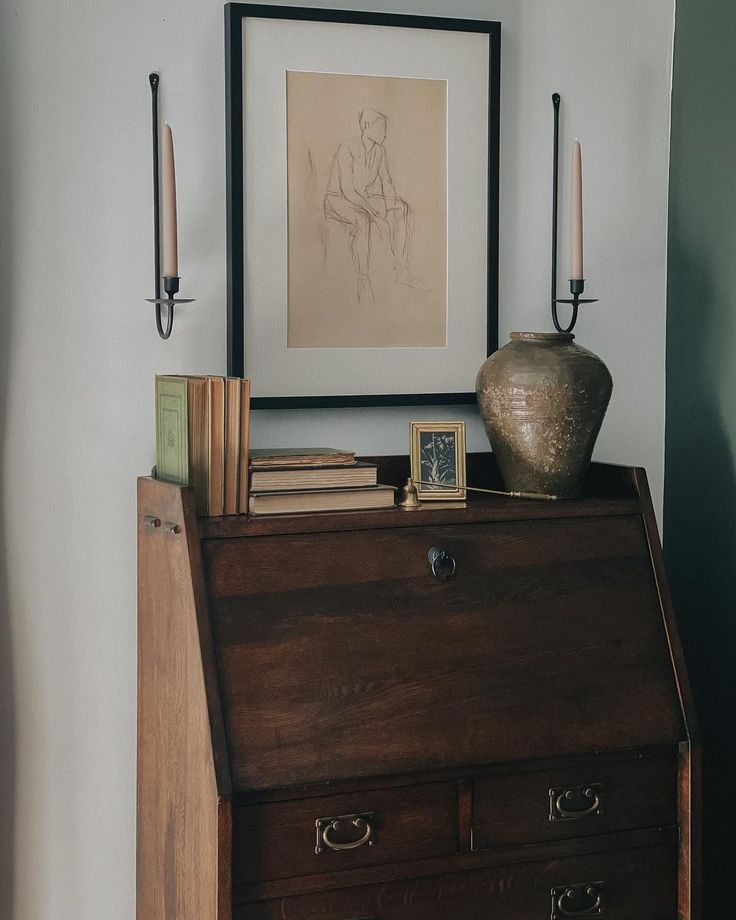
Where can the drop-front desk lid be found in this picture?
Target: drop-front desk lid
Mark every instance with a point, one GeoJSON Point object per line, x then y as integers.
{"type": "Point", "coordinates": [341, 655]}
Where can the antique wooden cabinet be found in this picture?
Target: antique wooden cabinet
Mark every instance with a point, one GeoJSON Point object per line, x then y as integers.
{"type": "Point", "coordinates": [330, 728]}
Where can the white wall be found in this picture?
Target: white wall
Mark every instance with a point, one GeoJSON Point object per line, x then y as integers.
{"type": "Point", "coordinates": [79, 351]}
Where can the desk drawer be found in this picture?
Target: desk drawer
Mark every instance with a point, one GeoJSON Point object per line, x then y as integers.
{"type": "Point", "coordinates": [281, 839]}
{"type": "Point", "coordinates": [635, 884]}
{"type": "Point", "coordinates": [591, 796]}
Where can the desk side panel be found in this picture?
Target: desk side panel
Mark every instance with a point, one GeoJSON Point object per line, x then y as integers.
{"type": "Point", "coordinates": [182, 824]}
{"type": "Point", "coordinates": [690, 771]}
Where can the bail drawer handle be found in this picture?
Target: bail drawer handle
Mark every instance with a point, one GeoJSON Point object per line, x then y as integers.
{"type": "Point", "coordinates": [559, 800]}
{"type": "Point", "coordinates": [570, 900]}
{"type": "Point", "coordinates": [327, 827]}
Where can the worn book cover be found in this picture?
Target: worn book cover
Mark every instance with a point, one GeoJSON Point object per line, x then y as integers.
{"type": "Point", "coordinates": [264, 458]}
{"type": "Point", "coordinates": [216, 445]}
{"type": "Point", "coordinates": [198, 415]}
{"type": "Point", "coordinates": [283, 479]}
{"type": "Point", "coordinates": [363, 499]}
{"type": "Point", "coordinates": [172, 429]}
{"type": "Point", "coordinates": [243, 484]}
{"type": "Point", "coordinates": [232, 443]}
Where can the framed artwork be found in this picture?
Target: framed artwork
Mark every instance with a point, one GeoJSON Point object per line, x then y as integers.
{"type": "Point", "coordinates": [438, 460]}
{"type": "Point", "coordinates": [362, 205]}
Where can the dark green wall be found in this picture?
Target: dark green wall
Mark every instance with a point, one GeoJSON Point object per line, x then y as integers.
{"type": "Point", "coordinates": [700, 476]}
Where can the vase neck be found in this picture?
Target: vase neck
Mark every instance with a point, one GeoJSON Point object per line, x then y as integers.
{"type": "Point", "coordinates": [546, 338]}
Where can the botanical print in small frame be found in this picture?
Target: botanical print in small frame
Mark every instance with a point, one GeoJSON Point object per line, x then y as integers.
{"type": "Point", "coordinates": [438, 460]}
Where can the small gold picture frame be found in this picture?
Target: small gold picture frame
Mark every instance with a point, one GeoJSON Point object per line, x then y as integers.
{"type": "Point", "coordinates": [438, 460]}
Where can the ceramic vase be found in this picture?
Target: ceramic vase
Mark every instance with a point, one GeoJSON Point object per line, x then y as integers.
{"type": "Point", "coordinates": [542, 399]}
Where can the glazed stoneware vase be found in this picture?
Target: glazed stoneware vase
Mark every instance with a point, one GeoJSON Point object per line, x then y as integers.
{"type": "Point", "coordinates": [542, 399]}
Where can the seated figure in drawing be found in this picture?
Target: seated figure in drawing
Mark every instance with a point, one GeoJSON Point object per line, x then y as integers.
{"type": "Point", "coordinates": [361, 196]}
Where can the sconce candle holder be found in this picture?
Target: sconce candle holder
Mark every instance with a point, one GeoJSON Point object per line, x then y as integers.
{"type": "Point", "coordinates": [171, 287]}
{"type": "Point", "coordinates": [171, 284]}
{"type": "Point", "coordinates": [577, 285]}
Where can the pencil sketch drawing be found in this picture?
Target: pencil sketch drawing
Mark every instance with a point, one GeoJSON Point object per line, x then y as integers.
{"type": "Point", "coordinates": [361, 196]}
{"type": "Point", "coordinates": [367, 211]}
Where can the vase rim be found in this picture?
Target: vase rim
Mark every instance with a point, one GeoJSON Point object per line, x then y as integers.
{"type": "Point", "coordinates": [559, 337]}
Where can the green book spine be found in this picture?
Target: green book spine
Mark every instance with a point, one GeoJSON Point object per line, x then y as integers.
{"type": "Point", "coordinates": [172, 429]}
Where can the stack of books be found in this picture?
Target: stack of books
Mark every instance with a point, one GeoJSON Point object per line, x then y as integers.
{"type": "Point", "coordinates": [298, 480]}
{"type": "Point", "coordinates": [202, 433]}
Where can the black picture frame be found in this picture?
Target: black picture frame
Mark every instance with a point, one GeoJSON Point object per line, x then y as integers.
{"type": "Point", "coordinates": [235, 13]}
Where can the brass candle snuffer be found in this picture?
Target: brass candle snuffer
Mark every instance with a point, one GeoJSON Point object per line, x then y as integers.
{"type": "Point", "coordinates": [409, 500]}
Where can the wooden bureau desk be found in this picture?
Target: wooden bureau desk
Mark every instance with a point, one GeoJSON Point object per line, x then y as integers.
{"type": "Point", "coordinates": [327, 730]}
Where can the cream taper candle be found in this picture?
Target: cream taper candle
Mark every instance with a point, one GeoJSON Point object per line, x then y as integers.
{"type": "Point", "coordinates": [168, 185]}
{"type": "Point", "coordinates": [576, 213]}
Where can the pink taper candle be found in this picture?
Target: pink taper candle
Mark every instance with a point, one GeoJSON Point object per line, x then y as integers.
{"type": "Point", "coordinates": [168, 184]}
{"type": "Point", "coordinates": [576, 214]}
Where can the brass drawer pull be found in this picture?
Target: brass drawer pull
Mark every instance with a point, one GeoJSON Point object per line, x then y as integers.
{"type": "Point", "coordinates": [560, 800]}
{"type": "Point", "coordinates": [327, 826]}
{"type": "Point", "coordinates": [583, 900]}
